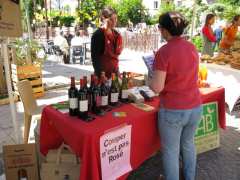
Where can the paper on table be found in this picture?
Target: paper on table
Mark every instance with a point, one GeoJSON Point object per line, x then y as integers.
{"type": "Point", "coordinates": [61, 106]}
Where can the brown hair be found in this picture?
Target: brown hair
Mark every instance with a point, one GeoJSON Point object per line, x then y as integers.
{"type": "Point", "coordinates": [235, 18]}
{"type": "Point", "coordinates": [208, 18]}
{"type": "Point", "coordinates": [173, 22]}
{"type": "Point", "coordinates": [107, 12]}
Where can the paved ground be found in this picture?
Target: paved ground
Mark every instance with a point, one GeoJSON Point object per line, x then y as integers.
{"type": "Point", "coordinates": [221, 164]}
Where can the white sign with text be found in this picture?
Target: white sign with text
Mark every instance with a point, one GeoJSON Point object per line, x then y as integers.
{"type": "Point", "coordinates": [115, 152]}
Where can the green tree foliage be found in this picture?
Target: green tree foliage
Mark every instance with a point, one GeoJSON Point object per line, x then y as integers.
{"type": "Point", "coordinates": [231, 2]}
{"type": "Point", "coordinates": [132, 10]}
{"type": "Point", "coordinates": [228, 9]}
{"type": "Point", "coordinates": [89, 10]}
{"type": "Point", "coordinates": [29, 6]}
{"type": "Point", "coordinates": [166, 6]}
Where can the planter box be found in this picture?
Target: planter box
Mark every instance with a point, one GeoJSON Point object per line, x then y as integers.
{"type": "Point", "coordinates": [31, 72]}
{"type": "Point", "coordinates": [207, 134]}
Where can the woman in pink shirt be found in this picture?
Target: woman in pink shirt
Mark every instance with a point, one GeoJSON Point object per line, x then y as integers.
{"type": "Point", "coordinates": [175, 78]}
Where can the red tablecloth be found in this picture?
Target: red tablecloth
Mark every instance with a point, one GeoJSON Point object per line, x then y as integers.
{"type": "Point", "coordinates": [84, 137]}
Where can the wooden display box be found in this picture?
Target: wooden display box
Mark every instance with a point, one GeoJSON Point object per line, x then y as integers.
{"type": "Point", "coordinates": [207, 134]}
{"type": "Point", "coordinates": [31, 72]}
{"type": "Point", "coordinates": [138, 79]}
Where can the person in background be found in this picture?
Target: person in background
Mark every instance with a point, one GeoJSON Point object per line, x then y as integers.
{"type": "Point", "coordinates": [209, 38]}
{"type": "Point", "coordinates": [68, 36]}
{"type": "Point", "coordinates": [90, 31]}
{"type": "Point", "coordinates": [130, 26]}
{"type": "Point", "coordinates": [78, 39]}
{"type": "Point", "coordinates": [229, 35]}
{"type": "Point", "coordinates": [77, 42]}
{"type": "Point", "coordinates": [175, 76]}
{"type": "Point", "coordinates": [106, 44]}
{"type": "Point", "coordinates": [62, 43]}
{"type": "Point", "coordinates": [218, 34]}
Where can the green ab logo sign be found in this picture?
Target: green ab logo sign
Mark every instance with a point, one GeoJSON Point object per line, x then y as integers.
{"type": "Point", "coordinates": [209, 120]}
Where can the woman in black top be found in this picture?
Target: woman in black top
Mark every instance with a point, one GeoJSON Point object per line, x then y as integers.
{"type": "Point", "coordinates": [106, 44]}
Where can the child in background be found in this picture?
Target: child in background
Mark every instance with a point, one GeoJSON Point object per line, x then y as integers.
{"type": "Point", "coordinates": [230, 34]}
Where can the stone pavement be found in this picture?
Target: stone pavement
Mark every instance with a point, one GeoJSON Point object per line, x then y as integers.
{"type": "Point", "coordinates": [220, 164]}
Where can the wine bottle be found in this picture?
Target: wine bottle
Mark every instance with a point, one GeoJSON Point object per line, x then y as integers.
{"type": "Point", "coordinates": [96, 98]}
{"type": "Point", "coordinates": [114, 91]}
{"type": "Point", "coordinates": [73, 98]}
{"type": "Point", "coordinates": [90, 89]}
{"type": "Point", "coordinates": [22, 174]}
{"type": "Point", "coordinates": [104, 91]}
{"type": "Point", "coordinates": [82, 101]}
{"type": "Point", "coordinates": [124, 88]}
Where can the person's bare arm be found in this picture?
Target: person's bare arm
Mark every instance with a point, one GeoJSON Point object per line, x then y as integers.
{"type": "Point", "coordinates": [157, 82]}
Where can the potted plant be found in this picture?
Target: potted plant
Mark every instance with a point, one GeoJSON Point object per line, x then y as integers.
{"type": "Point", "coordinates": [27, 59]}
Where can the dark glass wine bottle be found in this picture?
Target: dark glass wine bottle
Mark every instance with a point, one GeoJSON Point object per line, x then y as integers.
{"type": "Point", "coordinates": [90, 89]}
{"type": "Point", "coordinates": [124, 88]}
{"type": "Point", "coordinates": [73, 98]}
{"type": "Point", "coordinates": [82, 101]}
{"type": "Point", "coordinates": [114, 91]}
{"type": "Point", "coordinates": [104, 91]}
{"type": "Point", "coordinates": [22, 174]}
{"type": "Point", "coordinates": [96, 98]}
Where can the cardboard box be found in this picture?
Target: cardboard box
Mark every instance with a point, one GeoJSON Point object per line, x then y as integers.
{"type": "Point", "coordinates": [10, 18]}
{"type": "Point", "coordinates": [207, 134]}
{"type": "Point", "coordinates": [20, 162]}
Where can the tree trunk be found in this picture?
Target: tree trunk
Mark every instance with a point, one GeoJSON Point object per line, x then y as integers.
{"type": "Point", "coordinates": [78, 4]}
{"type": "Point", "coordinates": [46, 19]}
{"type": "Point", "coordinates": [59, 5]}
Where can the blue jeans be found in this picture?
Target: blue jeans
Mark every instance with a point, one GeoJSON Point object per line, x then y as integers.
{"type": "Point", "coordinates": [177, 130]}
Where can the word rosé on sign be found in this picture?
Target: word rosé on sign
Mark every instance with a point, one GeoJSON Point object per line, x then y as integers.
{"type": "Point", "coordinates": [115, 153]}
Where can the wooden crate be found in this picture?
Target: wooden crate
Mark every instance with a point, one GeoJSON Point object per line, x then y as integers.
{"type": "Point", "coordinates": [32, 73]}
{"type": "Point", "coordinates": [138, 79]}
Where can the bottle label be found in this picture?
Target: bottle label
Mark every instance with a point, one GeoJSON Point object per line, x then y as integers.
{"type": "Point", "coordinates": [125, 94]}
{"type": "Point", "coordinates": [114, 97]}
{"type": "Point", "coordinates": [98, 101]}
{"type": "Point", "coordinates": [83, 106]}
{"type": "Point", "coordinates": [73, 103]}
{"type": "Point", "coordinates": [104, 101]}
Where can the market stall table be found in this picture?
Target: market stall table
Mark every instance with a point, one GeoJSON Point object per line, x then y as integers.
{"type": "Point", "coordinates": [83, 137]}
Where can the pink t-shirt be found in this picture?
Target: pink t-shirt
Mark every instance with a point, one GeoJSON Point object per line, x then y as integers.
{"type": "Point", "coordinates": [179, 59]}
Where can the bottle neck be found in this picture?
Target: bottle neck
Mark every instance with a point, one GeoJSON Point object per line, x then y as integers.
{"type": "Point", "coordinates": [81, 83]}
{"type": "Point", "coordinates": [92, 81]}
{"type": "Point", "coordinates": [72, 82]}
